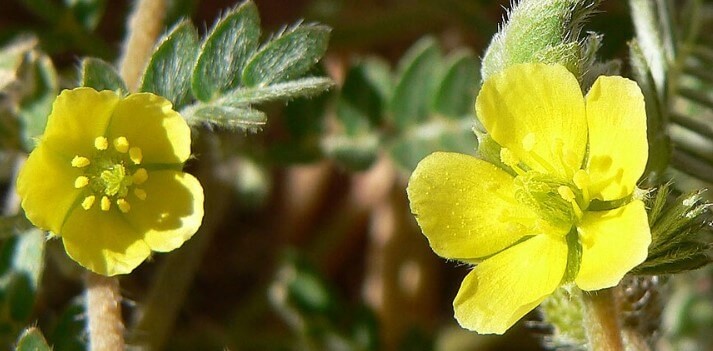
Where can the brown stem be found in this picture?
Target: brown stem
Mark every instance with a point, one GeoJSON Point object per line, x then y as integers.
{"type": "Point", "coordinates": [145, 25]}
{"type": "Point", "coordinates": [106, 330]}
{"type": "Point", "coordinates": [602, 321]}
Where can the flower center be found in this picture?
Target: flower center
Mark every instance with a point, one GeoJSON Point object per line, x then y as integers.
{"type": "Point", "coordinates": [555, 200]}
{"type": "Point", "coordinates": [111, 174]}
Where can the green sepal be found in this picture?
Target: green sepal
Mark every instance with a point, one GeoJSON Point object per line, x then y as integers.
{"type": "Point", "coordinates": [100, 75]}
{"type": "Point", "coordinates": [168, 72]}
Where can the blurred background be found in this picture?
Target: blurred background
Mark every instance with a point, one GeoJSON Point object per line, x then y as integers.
{"type": "Point", "coordinates": [308, 242]}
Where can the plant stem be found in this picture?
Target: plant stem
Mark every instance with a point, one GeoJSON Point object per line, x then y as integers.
{"type": "Point", "coordinates": [145, 25]}
{"type": "Point", "coordinates": [602, 321]}
{"type": "Point", "coordinates": [106, 330]}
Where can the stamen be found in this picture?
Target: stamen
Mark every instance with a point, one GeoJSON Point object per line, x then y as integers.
{"type": "Point", "coordinates": [121, 144]}
{"type": "Point", "coordinates": [136, 155]}
{"type": "Point", "coordinates": [528, 143]}
{"type": "Point", "coordinates": [123, 205]}
{"type": "Point", "coordinates": [568, 195]}
{"type": "Point", "coordinates": [88, 202]}
{"type": "Point", "coordinates": [80, 162]}
{"type": "Point", "coordinates": [81, 182]}
{"type": "Point", "coordinates": [509, 159]}
{"type": "Point", "coordinates": [140, 193]}
{"type": "Point", "coordinates": [100, 143]}
{"type": "Point", "coordinates": [140, 176]}
{"type": "Point", "coordinates": [105, 203]}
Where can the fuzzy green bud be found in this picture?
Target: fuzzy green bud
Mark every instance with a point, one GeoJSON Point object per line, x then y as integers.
{"type": "Point", "coordinates": [545, 31]}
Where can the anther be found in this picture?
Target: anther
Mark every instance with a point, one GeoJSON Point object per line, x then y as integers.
{"type": "Point", "coordinates": [566, 193]}
{"type": "Point", "coordinates": [100, 143]}
{"type": "Point", "coordinates": [121, 144]}
{"type": "Point", "coordinates": [80, 162]}
{"type": "Point", "coordinates": [105, 203]}
{"type": "Point", "coordinates": [140, 176]}
{"type": "Point", "coordinates": [123, 205]}
{"type": "Point", "coordinates": [140, 193]}
{"type": "Point", "coordinates": [81, 182]}
{"type": "Point", "coordinates": [88, 202]}
{"type": "Point", "coordinates": [136, 155]}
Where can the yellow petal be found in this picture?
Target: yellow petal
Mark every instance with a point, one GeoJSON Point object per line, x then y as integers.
{"type": "Point", "coordinates": [148, 122]}
{"type": "Point", "coordinates": [465, 206]}
{"type": "Point", "coordinates": [539, 108]}
{"type": "Point", "coordinates": [46, 186]}
{"type": "Point", "coordinates": [618, 149]}
{"type": "Point", "coordinates": [103, 242]}
{"type": "Point", "coordinates": [613, 242]}
{"type": "Point", "coordinates": [171, 212]}
{"type": "Point", "coordinates": [505, 287]}
{"type": "Point", "coordinates": [78, 117]}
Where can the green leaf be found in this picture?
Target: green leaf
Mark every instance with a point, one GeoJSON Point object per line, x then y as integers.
{"type": "Point", "coordinates": [37, 104]}
{"type": "Point", "coordinates": [413, 93]}
{"type": "Point", "coordinates": [32, 340]}
{"type": "Point", "coordinates": [455, 95]}
{"type": "Point", "coordinates": [69, 332]}
{"type": "Point", "coordinates": [87, 12]}
{"type": "Point", "coordinates": [289, 55]}
{"type": "Point", "coordinates": [100, 75]}
{"type": "Point", "coordinates": [232, 41]}
{"type": "Point", "coordinates": [656, 112]}
{"type": "Point", "coordinates": [356, 152]}
{"type": "Point", "coordinates": [229, 117]}
{"type": "Point", "coordinates": [436, 135]}
{"type": "Point", "coordinates": [362, 97]}
{"type": "Point", "coordinates": [22, 263]}
{"type": "Point", "coordinates": [304, 87]}
{"type": "Point", "coordinates": [11, 56]}
{"type": "Point", "coordinates": [169, 70]}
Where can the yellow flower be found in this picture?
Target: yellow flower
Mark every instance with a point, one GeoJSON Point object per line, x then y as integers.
{"type": "Point", "coordinates": [557, 210]}
{"type": "Point", "coordinates": [106, 177]}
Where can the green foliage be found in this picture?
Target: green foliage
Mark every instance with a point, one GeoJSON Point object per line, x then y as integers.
{"type": "Point", "coordinates": [100, 75]}
{"type": "Point", "coordinates": [169, 70]}
{"type": "Point", "coordinates": [676, 233]}
{"type": "Point", "coordinates": [21, 266]}
{"type": "Point", "coordinates": [312, 309]}
{"type": "Point", "coordinates": [426, 106]}
{"type": "Point", "coordinates": [68, 333]}
{"type": "Point", "coordinates": [229, 72]}
{"type": "Point", "coordinates": [36, 104]}
{"type": "Point", "coordinates": [224, 52]}
{"type": "Point", "coordinates": [32, 340]}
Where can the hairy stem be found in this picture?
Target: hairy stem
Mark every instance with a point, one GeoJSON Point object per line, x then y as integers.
{"type": "Point", "coordinates": [145, 25]}
{"type": "Point", "coordinates": [602, 321]}
{"type": "Point", "coordinates": [106, 330]}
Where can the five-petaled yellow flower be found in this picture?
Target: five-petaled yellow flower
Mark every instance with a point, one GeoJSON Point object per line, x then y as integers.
{"type": "Point", "coordinates": [106, 177]}
{"type": "Point", "coordinates": [557, 210]}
